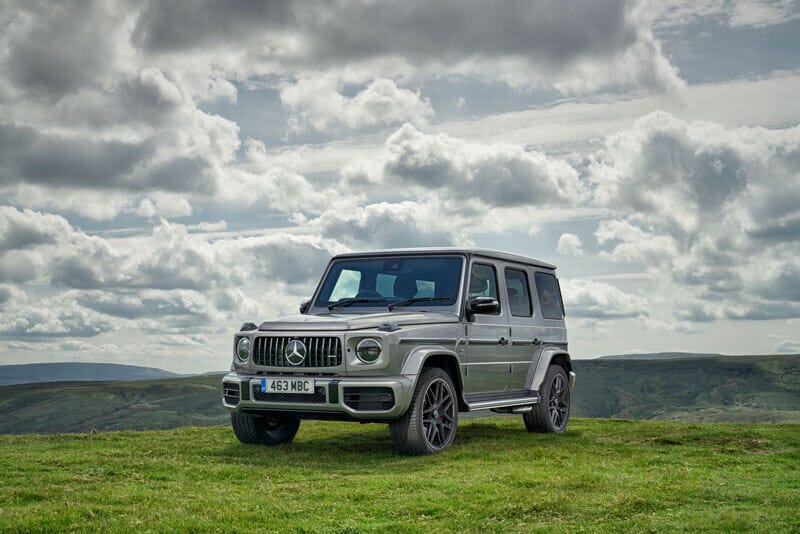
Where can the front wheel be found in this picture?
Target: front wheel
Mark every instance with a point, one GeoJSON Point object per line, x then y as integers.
{"type": "Point", "coordinates": [552, 412]}
{"type": "Point", "coordinates": [430, 423]}
{"type": "Point", "coordinates": [267, 430]}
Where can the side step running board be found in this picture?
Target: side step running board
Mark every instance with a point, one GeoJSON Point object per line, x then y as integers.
{"type": "Point", "coordinates": [511, 403]}
{"type": "Point", "coordinates": [514, 409]}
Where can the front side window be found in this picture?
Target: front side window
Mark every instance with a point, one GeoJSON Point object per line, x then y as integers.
{"type": "Point", "coordinates": [379, 282]}
{"type": "Point", "coordinates": [519, 298]}
{"type": "Point", "coordinates": [549, 296]}
{"type": "Point", "coordinates": [483, 281]}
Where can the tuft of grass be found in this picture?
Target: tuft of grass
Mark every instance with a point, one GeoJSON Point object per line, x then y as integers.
{"type": "Point", "coordinates": [601, 475]}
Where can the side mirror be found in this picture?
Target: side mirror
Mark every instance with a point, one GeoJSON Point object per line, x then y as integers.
{"type": "Point", "coordinates": [483, 305]}
{"type": "Point", "coordinates": [304, 306]}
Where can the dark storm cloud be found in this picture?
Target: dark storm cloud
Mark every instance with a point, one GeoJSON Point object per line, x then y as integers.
{"type": "Point", "coordinates": [22, 229]}
{"type": "Point", "coordinates": [171, 26]}
{"type": "Point", "coordinates": [27, 155]}
{"type": "Point", "coordinates": [57, 48]}
{"type": "Point", "coordinates": [782, 284]}
{"type": "Point", "coordinates": [292, 262]}
{"type": "Point", "coordinates": [451, 30]}
{"type": "Point", "coordinates": [182, 173]}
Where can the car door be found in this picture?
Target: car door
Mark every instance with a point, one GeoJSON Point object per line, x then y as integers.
{"type": "Point", "coordinates": [523, 351]}
{"type": "Point", "coordinates": [486, 366]}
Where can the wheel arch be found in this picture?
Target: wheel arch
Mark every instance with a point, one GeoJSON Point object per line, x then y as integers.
{"type": "Point", "coordinates": [439, 357]}
{"type": "Point", "coordinates": [550, 356]}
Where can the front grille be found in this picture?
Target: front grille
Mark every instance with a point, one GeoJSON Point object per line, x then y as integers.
{"type": "Point", "coordinates": [230, 393]}
{"type": "Point", "coordinates": [369, 399]}
{"type": "Point", "coordinates": [317, 398]}
{"type": "Point", "coordinates": [320, 351]}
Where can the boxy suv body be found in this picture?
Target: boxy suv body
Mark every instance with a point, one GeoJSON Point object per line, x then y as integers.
{"type": "Point", "coordinates": [409, 338]}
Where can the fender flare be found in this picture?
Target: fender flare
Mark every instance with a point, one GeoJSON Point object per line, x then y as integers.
{"type": "Point", "coordinates": [548, 356]}
{"type": "Point", "coordinates": [416, 359]}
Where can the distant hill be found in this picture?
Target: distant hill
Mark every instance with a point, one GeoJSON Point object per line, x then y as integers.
{"type": "Point", "coordinates": [72, 371]}
{"type": "Point", "coordinates": [658, 356]}
{"type": "Point", "coordinates": [742, 389]}
{"type": "Point", "coordinates": [50, 408]}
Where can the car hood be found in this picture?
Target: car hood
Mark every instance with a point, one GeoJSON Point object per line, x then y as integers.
{"type": "Point", "coordinates": [345, 321]}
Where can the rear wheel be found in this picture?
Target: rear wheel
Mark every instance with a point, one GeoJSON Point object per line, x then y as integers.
{"type": "Point", "coordinates": [552, 412]}
{"type": "Point", "coordinates": [267, 430]}
{"type": "Point", "coordinates": [430, 423]}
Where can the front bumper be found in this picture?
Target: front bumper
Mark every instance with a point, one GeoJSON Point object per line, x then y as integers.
{"type": "Point", "coordinates": [360, 398]}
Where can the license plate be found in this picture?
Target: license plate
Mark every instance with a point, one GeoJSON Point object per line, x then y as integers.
{"type": "Point", "coordinates": [302, 386]}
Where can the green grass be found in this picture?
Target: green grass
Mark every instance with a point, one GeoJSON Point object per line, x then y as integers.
{"type": "Point", "coordinates": [601, 475]}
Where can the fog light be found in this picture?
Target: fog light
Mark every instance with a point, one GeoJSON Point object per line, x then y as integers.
{"type": "Point", "coordinates": [368, 350]}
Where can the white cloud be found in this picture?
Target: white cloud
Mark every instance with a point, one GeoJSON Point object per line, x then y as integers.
{"type": "Point", "coordinates": [788, 345]}
{"type": "Point", "coordinates": [11, 294]}
{"type": "Point", "coordinates": [204, 226]}
{"type": "Point", "coordinates": [598, 300]}
{"type": "Point", "coordinates": [168, 280]}
{"type": "Point", "coordinates": [263, 178]}
{"type": "Point", "coordinates": [711, 207]}
{"type": "Point", "coordinates": [318, 103]}
{"type": "Point", "coordinates": [163, 205]}
{"type": "Point", "coordinates": [390, 225]}
{"type": "Point", "coordinates": [570, 245]}
{"type": "Point", "coordinates": [734, 13]}
{"type": "Point", "coordinates": [499, 174]}
{"type": "Point", "coordinates": [57, 317]}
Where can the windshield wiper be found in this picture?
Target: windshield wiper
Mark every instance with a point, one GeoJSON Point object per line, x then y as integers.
{"type": "Point", "coordinates": [342, 303]}
{"type": "Point", "coordinates": [412, 300]}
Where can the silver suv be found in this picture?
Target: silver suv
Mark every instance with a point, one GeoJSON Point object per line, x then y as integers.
{"type": "Point", "coordinates": [409, 338]}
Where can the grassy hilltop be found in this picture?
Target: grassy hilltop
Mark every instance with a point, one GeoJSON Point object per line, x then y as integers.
{"type": "Point", "coordinates": [601, 475]}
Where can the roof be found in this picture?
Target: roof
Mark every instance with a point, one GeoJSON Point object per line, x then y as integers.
{"type": "Point", "coordinates": [469, 251]}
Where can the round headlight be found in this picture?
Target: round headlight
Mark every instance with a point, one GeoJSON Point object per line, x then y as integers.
{"type": "Point", "coordinates": [243, 349]}
{"type": "Point", "coordinates": [368, 350]}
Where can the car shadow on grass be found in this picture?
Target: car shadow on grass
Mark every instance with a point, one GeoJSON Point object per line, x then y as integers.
{"type": "Point", "coordinates": [369, 447]}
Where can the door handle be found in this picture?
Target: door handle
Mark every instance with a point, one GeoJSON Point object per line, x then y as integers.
{"type": "Point", "coordinates": [503, 341]}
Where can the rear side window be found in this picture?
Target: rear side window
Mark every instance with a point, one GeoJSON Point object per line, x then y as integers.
{"type": "Point", "coordinates": [549, 296]}
{"type": "Point", "coordinates": [519, 298]}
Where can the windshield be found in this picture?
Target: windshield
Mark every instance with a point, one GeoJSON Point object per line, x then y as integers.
{"type": "Point", "coordinates": [381, 282]}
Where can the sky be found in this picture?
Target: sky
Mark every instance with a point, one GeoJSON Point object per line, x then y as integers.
{"type": "Point", "coordinates": [171, 169]}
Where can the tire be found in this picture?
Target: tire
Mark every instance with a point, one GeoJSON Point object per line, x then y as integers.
{"type": "Point", "coordinates": [267, 430]}
{"type": "Point", "coordinates": [551, 414]}
{"type": "Point", "coordinates": [429, 425]}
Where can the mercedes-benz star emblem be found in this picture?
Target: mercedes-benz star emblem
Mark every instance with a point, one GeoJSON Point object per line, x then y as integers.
{"type": "Point", "coordinates": [295, 352]}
